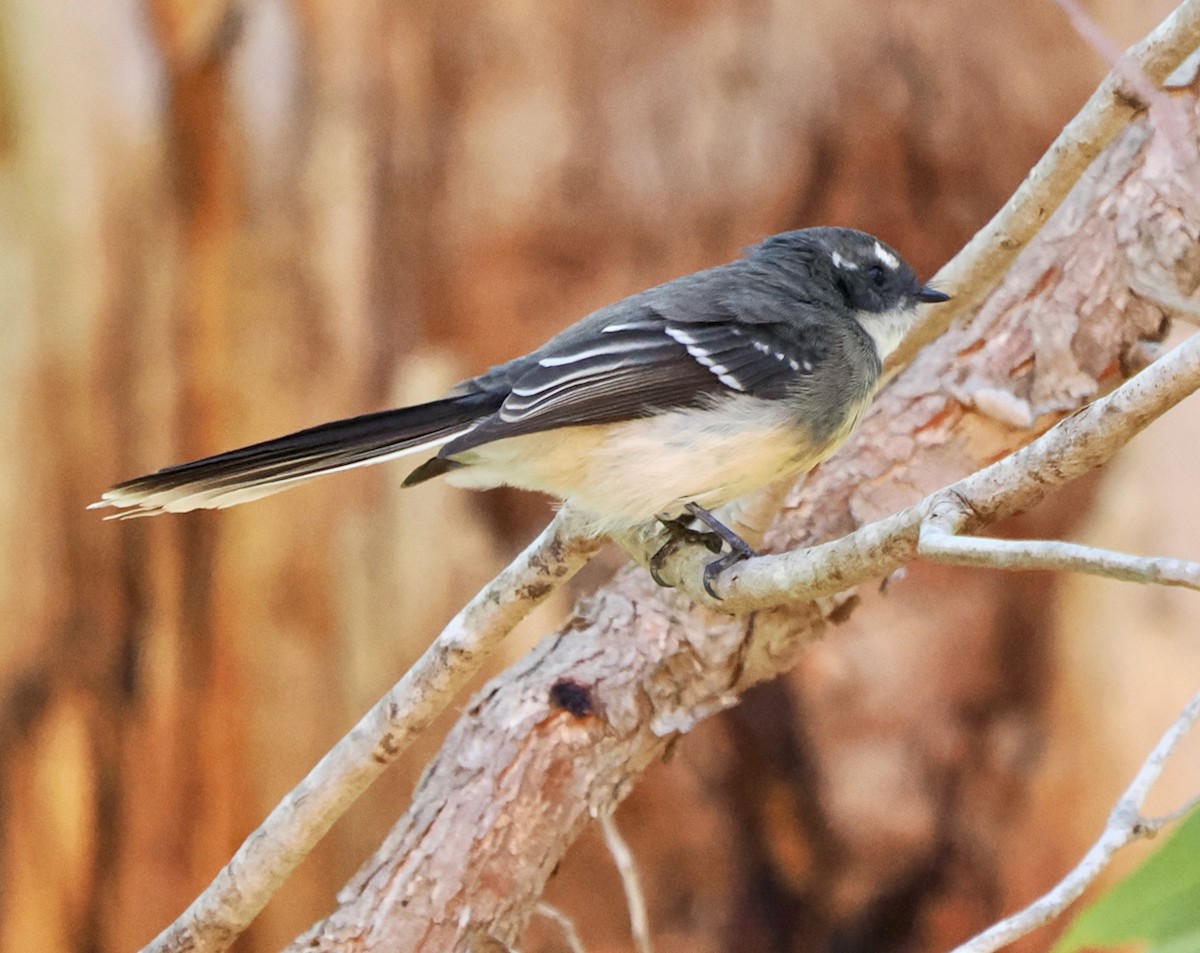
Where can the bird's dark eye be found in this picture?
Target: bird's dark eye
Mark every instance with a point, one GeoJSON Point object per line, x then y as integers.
{"type": "Point", "coordinates": [877, 275]}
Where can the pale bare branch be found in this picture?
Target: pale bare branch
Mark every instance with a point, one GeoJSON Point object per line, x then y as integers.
{"type": "Point", "coordinates": [939, 544]}
{"type": "Point", "coordinates": [989, 254]}
{"type": "Point", "coordinates": [1170, 119]}
{"type": "Point", "coordinates": [1125, 825]}
{"type": "Point", "coordinates": [564, 922]}
{"type": "Point", "coordinates": [1152, 825]}
{"type": "Point", "coordinates": [285, 837]}
{"type": "Point", "coordinates": [635, 899]}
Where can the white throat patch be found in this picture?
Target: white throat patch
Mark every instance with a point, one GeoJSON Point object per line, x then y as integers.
{"type": "Point", "coordinates": [887, 330]}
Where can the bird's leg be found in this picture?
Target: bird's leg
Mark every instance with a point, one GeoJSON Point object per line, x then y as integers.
{"type": "Point", "coordinates": [680, 533]}
{"type": "Point", "coordinates": [739, 549]}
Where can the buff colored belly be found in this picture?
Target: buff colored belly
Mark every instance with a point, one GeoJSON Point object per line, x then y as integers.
{"type": "Point", "coordinates": [629, 473]}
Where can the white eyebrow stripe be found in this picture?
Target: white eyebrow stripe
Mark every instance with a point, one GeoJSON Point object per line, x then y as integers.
{"type": "Point", "coordinates": [886, 257]}
{"type": "Point", "coordinates": [842, 263]}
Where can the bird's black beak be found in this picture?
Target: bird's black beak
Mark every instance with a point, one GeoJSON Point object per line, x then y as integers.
{"type": "Point", "coordinates": [929, 295]}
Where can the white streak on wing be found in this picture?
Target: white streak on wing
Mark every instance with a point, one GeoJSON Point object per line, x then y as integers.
{"type": "Point", "coordinates": [632, 326]}
{"type": "Point", "coordinates": [784, 359]}
{"type": "Point", "coordinates": [694, 348]}
{"type": "Point", "coordinates": [842, 263]}
{"type": "Point", "coordinates": [544, 389]}
{"type": "Point", "coordinates": [604, 350]}
{"type": "Point", "coordinates": [886, 257]}
{"type": "Point", "coordinates": [515, 407]}
{"type": "Point", "coordinates": [682, 336]}
{"type": "Point", "coordinates": [555, 382]}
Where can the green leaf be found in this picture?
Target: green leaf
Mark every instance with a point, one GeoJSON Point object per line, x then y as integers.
{"type": "Point", "coordinates": [1157, 905]}
{"type": "Point", "coordinates": [1184, 943]}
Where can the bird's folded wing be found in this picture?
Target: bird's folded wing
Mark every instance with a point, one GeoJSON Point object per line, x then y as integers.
{"type": "Point", "coordinates": [633, 367]}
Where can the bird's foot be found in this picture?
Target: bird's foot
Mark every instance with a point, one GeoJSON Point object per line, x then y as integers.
{"type": "Point", "coordinates": [680, 533]}
{"type": "Point", "coordinates": [739, 549]}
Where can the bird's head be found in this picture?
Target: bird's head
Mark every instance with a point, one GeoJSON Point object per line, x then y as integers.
{"type": "Point", "coordinates": [858, 270]}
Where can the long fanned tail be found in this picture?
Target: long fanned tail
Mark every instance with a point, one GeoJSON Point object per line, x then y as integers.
{"type": "Point", "coordinates": [250, 473]}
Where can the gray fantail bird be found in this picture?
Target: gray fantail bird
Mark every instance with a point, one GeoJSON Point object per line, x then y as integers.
{"type": "Point", "coordinates": [670, 402]}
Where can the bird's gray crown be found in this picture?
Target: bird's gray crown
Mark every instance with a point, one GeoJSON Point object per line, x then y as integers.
{"type": "Point", "coordinates": [850, 266]}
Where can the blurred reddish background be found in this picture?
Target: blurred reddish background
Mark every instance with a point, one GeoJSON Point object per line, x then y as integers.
{"type": "Point", "coordinates": [223, 221]}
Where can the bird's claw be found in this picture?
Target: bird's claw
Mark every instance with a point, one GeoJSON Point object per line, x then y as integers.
{"type": "Point", "coordinates": [680, 533]}
{"type": "Point", "coordinates": [717, 566]}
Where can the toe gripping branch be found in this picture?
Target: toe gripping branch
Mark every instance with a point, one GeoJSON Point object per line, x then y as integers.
{"type": "Point", "coordinates": [680, 533]}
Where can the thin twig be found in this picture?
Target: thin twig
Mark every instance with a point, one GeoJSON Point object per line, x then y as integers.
{"type": "Point", "coordinates": [253, 875]}
{"type": "Point", "coordinates": [978, 267]}
{"type": "Point", "coordinates": [1102, 43]}
{"type": "Point", "coordinates": [639, 922]}
{"type": "Point", "coordinates": [565, 923]}
{"type": "Point", "coordinates": [1167, 116]}
{"type": "Point", "coordinates": [1125, 825]}
{"type": "Point", "coordinates": [1152, 825]}
{"type": "Point", "coordinates": [938, 544]}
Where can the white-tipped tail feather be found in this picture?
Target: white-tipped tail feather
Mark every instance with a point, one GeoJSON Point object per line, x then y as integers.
{"type": "Point", "coordinates": [253, 472]}
{"type": "Point", "coordinates": [197, 494]}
